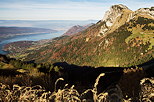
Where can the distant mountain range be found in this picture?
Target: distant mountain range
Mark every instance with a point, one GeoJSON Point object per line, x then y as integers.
{"type": "Point", "coordinates": [49, 24]}
{"type": "Point", "coordinates": [6, 32]}
{"type": "Point", "coordinates": [122, 38]}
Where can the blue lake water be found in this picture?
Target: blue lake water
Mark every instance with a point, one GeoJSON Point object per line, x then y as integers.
{"type": "Point", "coordinates": [32, 37]}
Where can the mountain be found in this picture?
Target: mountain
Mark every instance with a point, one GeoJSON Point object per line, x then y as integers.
{"type": "Point", "coordinates": [75, 29]}
{"type": "Point", "coordinates": [122, 38]}
{"type": "Point", "coordinates": [6, 32]}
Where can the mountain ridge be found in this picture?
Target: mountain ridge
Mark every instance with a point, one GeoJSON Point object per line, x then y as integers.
{"type": "Point", "coordinates": [76, 29]}
{"type": "Point", "coordinates": [126, 39]}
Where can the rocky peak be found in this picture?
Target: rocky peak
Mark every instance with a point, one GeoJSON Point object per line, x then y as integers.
{"type": "Point", "coordinates": [118, 15]}
{"type": "Point", "coordinates": [113, 13]}
{"type": "Point", "coordinates": [120, 6]}
{"type": "Point", "coordinates": [111, 17]}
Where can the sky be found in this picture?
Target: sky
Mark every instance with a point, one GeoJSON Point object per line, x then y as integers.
{"type": "Point", "coordinates": [63, 9]}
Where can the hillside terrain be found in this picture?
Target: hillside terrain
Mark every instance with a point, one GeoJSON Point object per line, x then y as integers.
{"type": "Point", "coordinates": [122, 38]}
{"type": "Point", "coordinates": [6, 32]}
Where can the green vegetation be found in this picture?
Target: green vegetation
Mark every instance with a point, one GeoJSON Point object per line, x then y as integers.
{"type": "Point", "coordinates": [142, 31]}
{"type": "Point", "coordinates": [18, 64]}
{"type": "Point", "coordinates": [129, 45]}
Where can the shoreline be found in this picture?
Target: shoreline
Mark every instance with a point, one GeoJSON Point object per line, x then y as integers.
{"type": "Point", "coordinates": [29, 37]}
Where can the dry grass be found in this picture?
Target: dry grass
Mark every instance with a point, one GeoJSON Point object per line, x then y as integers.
{"type": "Point", "coordinates": [38, 94]}
{"type": "Point", "coordinates": [147, 90]}
{"type": "Point", "coordinates": [69, 94]}
{"type": "Point", "coordinates": [23, 94]}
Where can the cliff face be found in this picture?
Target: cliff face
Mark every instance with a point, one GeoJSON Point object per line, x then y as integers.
{"type": "Point", "coordinates": [122, 38]}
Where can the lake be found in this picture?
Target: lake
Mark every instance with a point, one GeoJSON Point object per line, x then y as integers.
{"type": "Point", "coordinates": [32, 37]}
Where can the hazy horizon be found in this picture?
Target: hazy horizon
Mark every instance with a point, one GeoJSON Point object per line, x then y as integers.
{"type": "Point", "coordinates": [50, 24]}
